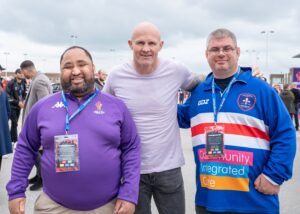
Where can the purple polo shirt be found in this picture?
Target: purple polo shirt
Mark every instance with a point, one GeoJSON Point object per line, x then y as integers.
{"type": "Point", "coordinates": [109, 152]}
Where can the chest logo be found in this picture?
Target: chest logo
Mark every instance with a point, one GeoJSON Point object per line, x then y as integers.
{"type": "Point", "coordinates": [99, 108]}
{"type": "Point", "coordinates": [58, 105]}
{"type": "Point", "coordinates": [203, 102]}
{"type": "Point", "coordinates": [246, 101]}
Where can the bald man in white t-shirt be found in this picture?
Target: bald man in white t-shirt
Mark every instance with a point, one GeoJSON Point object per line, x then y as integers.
{"type": "Point", "coordinates": [149, 85]}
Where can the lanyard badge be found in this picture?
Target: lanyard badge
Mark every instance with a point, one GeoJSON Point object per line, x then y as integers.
{"type": "Point", "coordinates": [66, 153]}
{"type": "Point", "coordinates": [214, 136]}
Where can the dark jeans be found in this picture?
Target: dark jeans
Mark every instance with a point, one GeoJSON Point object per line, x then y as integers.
{"type": "Point", "coordinates": [0, 161]}
{"type": "Point", "coordinates": [296, 117]}
{"type": "Point", "coordinates": [167, 190]}
{"type": "Point", "coordinates": [202, 210]}
{"type": "Point", "coordinates": [14, 117]}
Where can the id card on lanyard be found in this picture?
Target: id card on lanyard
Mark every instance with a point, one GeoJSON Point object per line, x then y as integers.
{"type": "Point", "coordinates": [214, 141]}
{"type": "Point", "coordinates": [66, 153]}
{"type": "Point", "coordinates": [214, 135]}
{"type": "Point", "coordinates": [67, 146]}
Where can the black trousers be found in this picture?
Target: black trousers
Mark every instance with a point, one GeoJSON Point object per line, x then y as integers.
{"type": "Point", "coordinates": [38, 164]}
{"type": "Point", "coordinates": [14, 118]}
{"type": "Point", "coordinates": [0, 161]}
{"type": "Point", "coordinates": [296, 117]}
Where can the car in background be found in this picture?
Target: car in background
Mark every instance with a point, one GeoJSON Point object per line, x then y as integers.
{"type": "Point", "coordinates": [56, 87]}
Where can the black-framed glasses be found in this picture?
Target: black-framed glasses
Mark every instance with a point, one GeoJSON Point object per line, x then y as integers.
{"type": "Point", "coordinates": [225, 50]}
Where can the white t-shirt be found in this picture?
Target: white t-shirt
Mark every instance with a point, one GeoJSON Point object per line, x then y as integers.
{"type": "Point", "coordinates": [152, 101]}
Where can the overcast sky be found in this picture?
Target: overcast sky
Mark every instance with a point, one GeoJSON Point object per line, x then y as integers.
{"type": "Point", "coordinates": [41, 30]}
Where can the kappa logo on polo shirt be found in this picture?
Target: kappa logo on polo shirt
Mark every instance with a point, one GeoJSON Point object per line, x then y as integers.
{"type": "Point", "coordinates": [58, 105]}
{"type": "Point", "coordinates": [99, 108]}
{"type": "Point", "coordinates": [246, 101]}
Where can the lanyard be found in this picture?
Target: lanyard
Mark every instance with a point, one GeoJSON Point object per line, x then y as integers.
{"type": "Point", "coordinates": [224, 96]}
{"type": "Point", "coordinates": [80, 109]}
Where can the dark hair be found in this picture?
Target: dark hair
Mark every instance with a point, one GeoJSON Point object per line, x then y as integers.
{"type": "Point", "coordinates": [74, 47]}
{"type": "Point", "coordinates": [26, 64]}
{"type": "Point", "coordinates": [18, 71]}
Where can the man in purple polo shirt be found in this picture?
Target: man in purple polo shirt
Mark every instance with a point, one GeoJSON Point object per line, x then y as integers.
{"type": "Point", "coordinates": [91, 159]}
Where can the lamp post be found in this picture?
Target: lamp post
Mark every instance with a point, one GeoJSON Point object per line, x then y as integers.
{"type": "Point", "coordinates": [256, 57]}
{"type": "Point", "coordinates": [267, 32]}
{"type": "Point", "coordinates": [74, 37]}
{"type": "Point", "coordinates": [6, 55]}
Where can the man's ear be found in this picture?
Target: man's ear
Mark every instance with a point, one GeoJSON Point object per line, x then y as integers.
{"type": "Point", "coordinates": [130, 44]}
{"type": "Point", "coordinates": [161, 44]}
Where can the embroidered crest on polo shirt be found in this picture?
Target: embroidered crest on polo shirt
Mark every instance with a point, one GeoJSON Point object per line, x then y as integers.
{"type": "Point", "coordinates": [246, 101]}
{"type": "Point", "coordinates": [58, 105]}
{"type": "Point", "coordinates": [99, 108]}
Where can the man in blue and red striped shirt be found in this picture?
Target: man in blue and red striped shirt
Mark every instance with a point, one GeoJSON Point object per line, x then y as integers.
{"type": "Point", "coordinates": [243, 139]}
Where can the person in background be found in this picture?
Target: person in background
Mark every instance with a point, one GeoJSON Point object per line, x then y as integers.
{"type": "Point", "coordinates": [277, 87]}
{"type": "Point", "coordinates": [100, 80]}
{"type": "Point", "coordinates": [16, 92]}
{"type": "Point", "coordinates": [296, 93]}
{"type": "Point", "coordinates": [3, 81]}
{"type": "Point", "coordinates": [243, 144]}
{"type": "Point", "coordinates": [91, 159]}
{"type": "Point", "coordinates": [39, 88]}
{"type": "Point", "coordinates": [288, 98]}
{"type": "Point", "coordinates": [1, 78]}
{"type": "Point", "coordinates": [5, 141]}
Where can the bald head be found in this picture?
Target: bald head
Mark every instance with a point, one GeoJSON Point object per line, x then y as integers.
{"type": "Point", "coordinates": [145, 44]}
{"type": "Point", "coordinates": [145, 28]}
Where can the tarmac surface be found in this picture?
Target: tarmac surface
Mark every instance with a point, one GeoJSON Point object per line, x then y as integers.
{"type": "Point", "coordinates": [289, 193]}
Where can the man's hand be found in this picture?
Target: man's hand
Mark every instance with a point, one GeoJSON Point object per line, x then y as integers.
{"type": "Point", "coordinates": [257, 73]}
{"type": "Point", "coordinates": [264, 186]}
{"type": "Point", "coordinates": [124, 207]}
{"type": "Point", "coordinates": [21, 104]}
{"type": "Point", "coordinates": [17, 206]}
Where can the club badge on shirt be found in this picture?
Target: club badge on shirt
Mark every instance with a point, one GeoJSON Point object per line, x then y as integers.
{"type": "Point", "coordinates": [98, 106]}
{"type": "Point", "coordinates": [66, 153]}
{"type": "Point", "coordinates": [214, 141]}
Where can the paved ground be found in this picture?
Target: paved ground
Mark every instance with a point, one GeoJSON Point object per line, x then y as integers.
{"type": "Point", "coordinates": [289, 194]}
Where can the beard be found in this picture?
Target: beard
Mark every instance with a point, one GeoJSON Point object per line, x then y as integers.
{"type": "Point", "coordinates": [88, 85]}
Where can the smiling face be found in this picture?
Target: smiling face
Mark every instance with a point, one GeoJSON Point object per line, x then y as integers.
{"type": "Point", "coordinates": [222, 56]}
{"type": "Point", "coordinates": [77, 72]}
{"type": "Point", "coordinates": [145, 44]}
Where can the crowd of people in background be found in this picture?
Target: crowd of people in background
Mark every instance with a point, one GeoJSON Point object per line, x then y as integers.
{"type": "Point", "coordinates": [290, 95]}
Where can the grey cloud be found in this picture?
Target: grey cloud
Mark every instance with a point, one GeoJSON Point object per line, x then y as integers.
{"type": "Point", "coordinates": [101, 25]}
